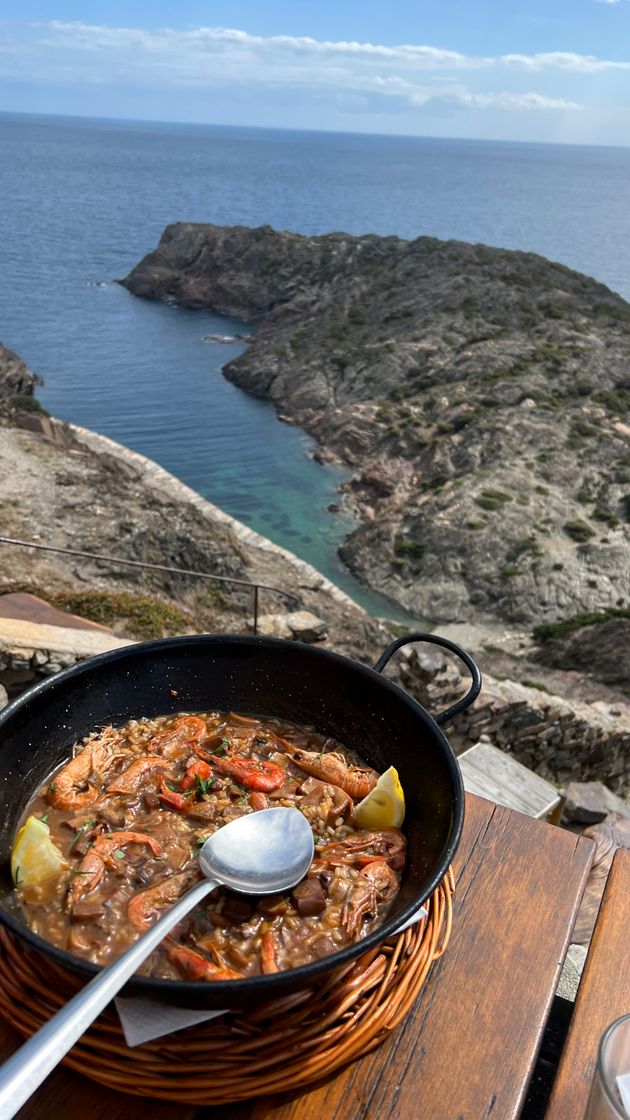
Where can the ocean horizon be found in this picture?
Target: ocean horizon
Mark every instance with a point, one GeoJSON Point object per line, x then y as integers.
{"type": "Point", "coordinates": [165, 124]}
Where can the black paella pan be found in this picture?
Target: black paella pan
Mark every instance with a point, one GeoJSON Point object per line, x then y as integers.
{"type": "Point", "coordinates": [267, 677]}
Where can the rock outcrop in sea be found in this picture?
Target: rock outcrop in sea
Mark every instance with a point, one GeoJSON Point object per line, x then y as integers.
{"type": "Point", "coordinates": [481, 396]}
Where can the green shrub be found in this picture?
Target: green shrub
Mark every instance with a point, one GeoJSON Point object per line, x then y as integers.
{"type": "Point", "coordinates": [527, 545]}
{"type": "Point", "coordinates": [22, 402]}
{"type": "Point", "coordinates": [536, 684]}
{"type": "Point", "coordinates": [578, 530]}
{"type": "Point", "coordinates": [600, 513]}
{"type": "Point", "coordinates": [553, 631]}
{"type": "Point", "coordinates": [616, 400]}
{"type": "Point", "coordinates": [492, 499]}
{"type": "Point", "coordinates": [412, 550]}
{"type": "Point", "coordinates": [580, 430]}
{"type": "Point", "coordinates": [146, 617]}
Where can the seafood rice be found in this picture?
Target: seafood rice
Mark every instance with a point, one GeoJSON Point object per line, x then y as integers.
{"type": "Point", "coordinates": [128, 813]}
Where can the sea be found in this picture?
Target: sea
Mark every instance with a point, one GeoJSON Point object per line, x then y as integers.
{"type": "Point", "coordinates": [82, 200]}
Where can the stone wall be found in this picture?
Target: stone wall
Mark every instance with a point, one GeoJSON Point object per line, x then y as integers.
{"type": "Point", "coordinates": [20, 668]}
{"type": "Point", "coordinates": [561, 740]}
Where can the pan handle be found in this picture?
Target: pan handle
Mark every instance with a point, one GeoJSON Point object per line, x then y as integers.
{"type": "Point", "coordinates": [475, 688]}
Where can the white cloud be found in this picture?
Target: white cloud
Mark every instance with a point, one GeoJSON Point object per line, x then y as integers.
{"type": "Point", "coordinates": [564, 60]}
{"type": "Point", "coordinates": [231, 43]}
{"type": "Point", "coordinates": [409, 76]}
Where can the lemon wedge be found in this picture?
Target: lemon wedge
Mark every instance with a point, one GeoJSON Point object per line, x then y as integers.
{"type": "Point", "coordinates": [384, 806]}
{"type": "Point", "coordinates": [34, 858]}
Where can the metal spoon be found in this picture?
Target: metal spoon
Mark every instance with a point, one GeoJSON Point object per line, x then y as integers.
{"type": "Point", "coordinates": [257, 854]}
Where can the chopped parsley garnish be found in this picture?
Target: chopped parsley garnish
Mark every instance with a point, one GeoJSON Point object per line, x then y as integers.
{"type": "Point", "coordinates": [223, 746]}
{"type": "Point", "coordinates": [89, 823]}
{"type": "Point", "coordinates": [53, 787]}
{"type": "Point", "coordinates": [44, 819]}
{"type": "Point", "coordinates": [119, 854]}
{"type": "Point", "coordinates": [203, 785]}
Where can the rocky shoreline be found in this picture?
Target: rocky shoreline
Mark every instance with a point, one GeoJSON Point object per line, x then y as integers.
{"type": "Point", "coordinates": [481, 397]}
{"type": "Point", "coordinates": [65, 486]}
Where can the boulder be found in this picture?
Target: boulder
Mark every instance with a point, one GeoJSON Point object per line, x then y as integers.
{"type": "Point", "coordinates": [272, 625]}
{"type": "Point", "coordinates": [590, 802]}
{"type": "Point", "coordinates": [306, 627]}
{"type": "Point", "coordinates": [37, 422]}
{"type": "Point", "coordinates": [302, 626]}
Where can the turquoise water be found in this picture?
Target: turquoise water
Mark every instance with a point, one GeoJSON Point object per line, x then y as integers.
{"type": "Point", "coordinates": [83, 201]}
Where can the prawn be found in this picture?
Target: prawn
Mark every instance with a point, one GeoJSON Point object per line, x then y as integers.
{"type": "Point", "coordinates": [197, 769]}
{"type": "Point", "coordinates": [64, 791]}
{"type": "Point", "coordinates": [173, 800]}
{"type": "Point", "coordinates": [262, 776]}
{"type": "Point", "coordinates": [331, 767]}
{"type": "Point", "coordinates": [92, 867]}
{"type": "Point", "coordinates": [193, 966]}
{"type": "Point", "coordinates": [364, 847]}
{"type": "Point", "coordinates": [131, 778]}
{"type": "Point", "coordinates": [185, 732]}
{"type": "Point", "coordinates": [145, 906]}
{"type": "Point", "coordinates": [376, 885]}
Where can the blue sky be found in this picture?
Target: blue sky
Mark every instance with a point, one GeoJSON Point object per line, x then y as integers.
{"type": "Point", "coordinates": [554, 71]}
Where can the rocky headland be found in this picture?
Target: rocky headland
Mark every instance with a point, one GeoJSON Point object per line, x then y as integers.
{"type": "Point", "coordinates": [480, 395]}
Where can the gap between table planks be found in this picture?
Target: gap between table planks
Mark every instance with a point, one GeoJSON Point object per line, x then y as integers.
{"type": "Point", "coordinates": [603, 995]}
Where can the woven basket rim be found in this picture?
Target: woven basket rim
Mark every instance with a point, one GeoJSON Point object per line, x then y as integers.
{"type": "Point", "coordinates": [287, 1043]}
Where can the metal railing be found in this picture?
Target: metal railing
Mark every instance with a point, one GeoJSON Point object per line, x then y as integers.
{"type": "Point", "coordinates": [289, 597]}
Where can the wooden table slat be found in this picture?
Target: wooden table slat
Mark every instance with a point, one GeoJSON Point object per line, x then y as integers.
{"type": "Point", "coordinates": [603, 995]}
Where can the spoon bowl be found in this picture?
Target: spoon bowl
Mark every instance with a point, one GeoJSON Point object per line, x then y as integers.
{"type": "Point", "coordinates": [260, 853]}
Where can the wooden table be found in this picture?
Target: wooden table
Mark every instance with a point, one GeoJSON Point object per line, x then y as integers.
{"type": "Point", "coordinates": [468, 1048]}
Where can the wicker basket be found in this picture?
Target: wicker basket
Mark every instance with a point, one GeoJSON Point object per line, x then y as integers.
{"type": "Point", "coordinates": [283, 1044]}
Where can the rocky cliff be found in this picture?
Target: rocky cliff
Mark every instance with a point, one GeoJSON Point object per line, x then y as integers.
{"type": "Point", "coordinates": [481, 395]}
{"type": "Point", "coordinates": [16, 380]}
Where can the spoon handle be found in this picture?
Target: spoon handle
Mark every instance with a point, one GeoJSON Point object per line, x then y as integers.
{"type": "Point", "coordinates": [25, 1070]}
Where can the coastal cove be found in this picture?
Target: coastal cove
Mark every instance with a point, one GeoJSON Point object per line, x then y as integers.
{"type": "Point", "coordinates": [85, 200]}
